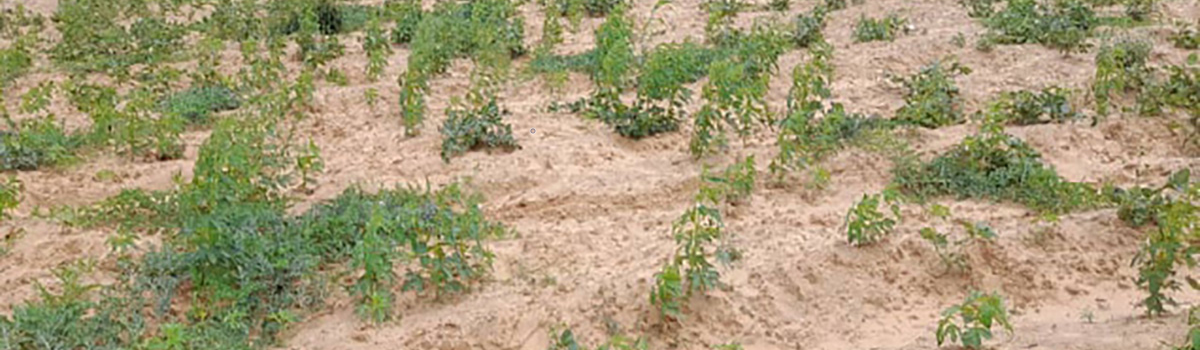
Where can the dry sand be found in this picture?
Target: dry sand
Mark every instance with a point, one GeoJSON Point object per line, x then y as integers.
{"type": "Point", "coordinates": [593, 209]}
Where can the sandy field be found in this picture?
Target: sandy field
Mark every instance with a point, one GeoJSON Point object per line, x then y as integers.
{"type": "Point", "coordinates": [593, 209]}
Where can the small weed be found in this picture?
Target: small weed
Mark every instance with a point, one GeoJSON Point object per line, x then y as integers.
{"type": "Point", "coordinates": [1186, 36]}
{"type": "Point", "coordinates": [933, 99]}
{"type": "Point", "coordinates": [197, 104]}
{"type": "Point", "coordinates": [976, 317]}
{"type": "Point", "coordinates": [885, 29]}
{"type": "Point", "coordinates": [865, 224]}
{"type": "Point", "coordinates": [1051, 105]}
{"type": "Point", "coordinates": [478, 123]}
{"type": "Point", "coordinates": [10, 196]}
{"type": "Point", "coordinates": [1120, 68]}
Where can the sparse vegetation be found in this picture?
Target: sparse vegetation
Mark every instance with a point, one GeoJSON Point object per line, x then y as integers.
{"type": "Point", "coordinates": [976, 317]}
{"type": "Point", "coordinates": [933, 98]}
{"type": "Point", "coordinates": [884, 29]}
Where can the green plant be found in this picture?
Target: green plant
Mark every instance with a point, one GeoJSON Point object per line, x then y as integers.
{"type": "Point", "coordinates": [37, 98]}
{"type": "Point", "coordinates": [35, 142]}
{"type": "Point", "coordinates": [1120, 68]}
{"type": "Point", "coordinates": [976, 317]}
{"type": "Point", "coordinates": [1064, 25]}
{"type": "Point", "coordinates": [995, 165]}
{"type": "Point", "coordinates": [1139, 10]}
{"type": "Point", "coordinates": [407, 15]}
{"type": "Point", "coordinates": [865, 224]}
{"type": "Point", "coordinates": [734, 97]}
{"type": "Point", "coordinates": [733, 185]}
{"type": "Point", "coordinates": [779, 5]}
{"type": "Point", "coordinates": [1170, 245]}
{"type": "Point", "coordinates": [808, 28]}
{"type": "Point", "coordinates": [480, 123]}
{"type": "Point", "coordinates": [885, 29]}
{"type": "Point", "coordinates": [979, 8]}
{"type": "Point", "coordinates": [197, 103]}
{"type": "Point", "coordinates": [1186, 36]}
{"type": "Point", "coordinates": [376, 45]}
{"type": "Point", "coordinates": [10, 196]}
{"type": "Point", "coordinates": [1051, 105]}
{"type": "Point", "coordinates": [932, 99]}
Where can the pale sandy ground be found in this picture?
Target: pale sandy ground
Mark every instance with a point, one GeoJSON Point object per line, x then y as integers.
{"type": "Point", "coordinates": [593, 210]}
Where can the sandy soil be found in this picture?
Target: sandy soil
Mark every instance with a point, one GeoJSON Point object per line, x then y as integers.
{"type": "Point", "coordinates": [593, 209]}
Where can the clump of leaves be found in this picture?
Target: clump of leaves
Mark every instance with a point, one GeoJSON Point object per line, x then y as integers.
{"type": "Point", "coordinates": [35, 142]}
{"type": "Point", "coordinates": [1120, 68]}
{"type": "Point", "coordinates": [10, 196]}
{"type": "Point", "coordinates": [407, 15]}
{"type": "Point", "coordinates": [808, 28]}
{"type": "Point", "coordinates": [14, 63]}
{"type": "Point", "coordinates": [865, 224]}
{"type": "Point", "coordinates": [1186, 36]}
{"type": "Point", "coordinates": [198, 103]}
{"type": "Point", "coordinates": [975, 318]}
{"type": "Point", "coordinates": [732, 185]}
{"type": "Point", "coordinates": [487, 31]}
{"type": "Point", "coordinates": [809, 133]}
{"type": "Point", "coordinates": [1170, 245]}
{"type": "Point", "coordinates": [979, 8]}
{"type": "Point", "coordinates": [1050, 105]}
{"type": "Point", "coordinates": [475, 124]}
{"type": "Point", "coordinates": [995, 165]}
{"type": "Point", "coordinates": [933, 99]}
{"type": "Point", "coordinates": [1064, 25]}
{"type": "Point", "coordinates": [883, 29]}
{"type": "Point", "coordinates": [93, 39]}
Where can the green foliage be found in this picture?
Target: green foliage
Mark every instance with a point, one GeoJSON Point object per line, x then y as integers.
{"type": "Point", "coordinates": [932, 99]}
{"type": "Point", "coordinates": [1171, 244]}
{"type": "Point", "coordinates": [407, 15]}
{"type": "Point", "coordinates": [376, 45]}
{"type": "Point", "coordinates": [10, 196]}
{"type": "Point", "coordinates": [197, 103]}
{"type": "Point", "coordinates": [884, 29]}
{"type": "Point", "coordinates": [865, 224]}
{"type": "Point", "coordinates": [808, 28]}
{"type": "Point", "coordinates": [995, 165]}
{"type": "Point", "coordinates": [1051, 105]}
{"type": "Point", "coordinates": [487, 31]}
{"type": "Point", "coordinates": [479, 123]}
{"type": "Point", "coordinates": [1120, 68]}
{"type": "Point", "coordinates": [14, 63]}
{"type": "Point", "coordinates": [689, 269]}
{"type": "Point", "coordinates": [1174, 87]}
{"type": "Point", "coordinates": [976, 317]}
{"type": "Point", "coordinates": [1186, 36]}
{"type": "Point", "coordinates": [35, 142]}
{"type": "Point", "coordinates": [1064, 25]}
{"type": "Point", "coordinates": [93, 40]}
{"type": "Point", "coordinates": [733, 185]}
{"type": "Point", "coordinates": [979, 8]}
{"type": "Point", "coordinates": [735, 95]}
